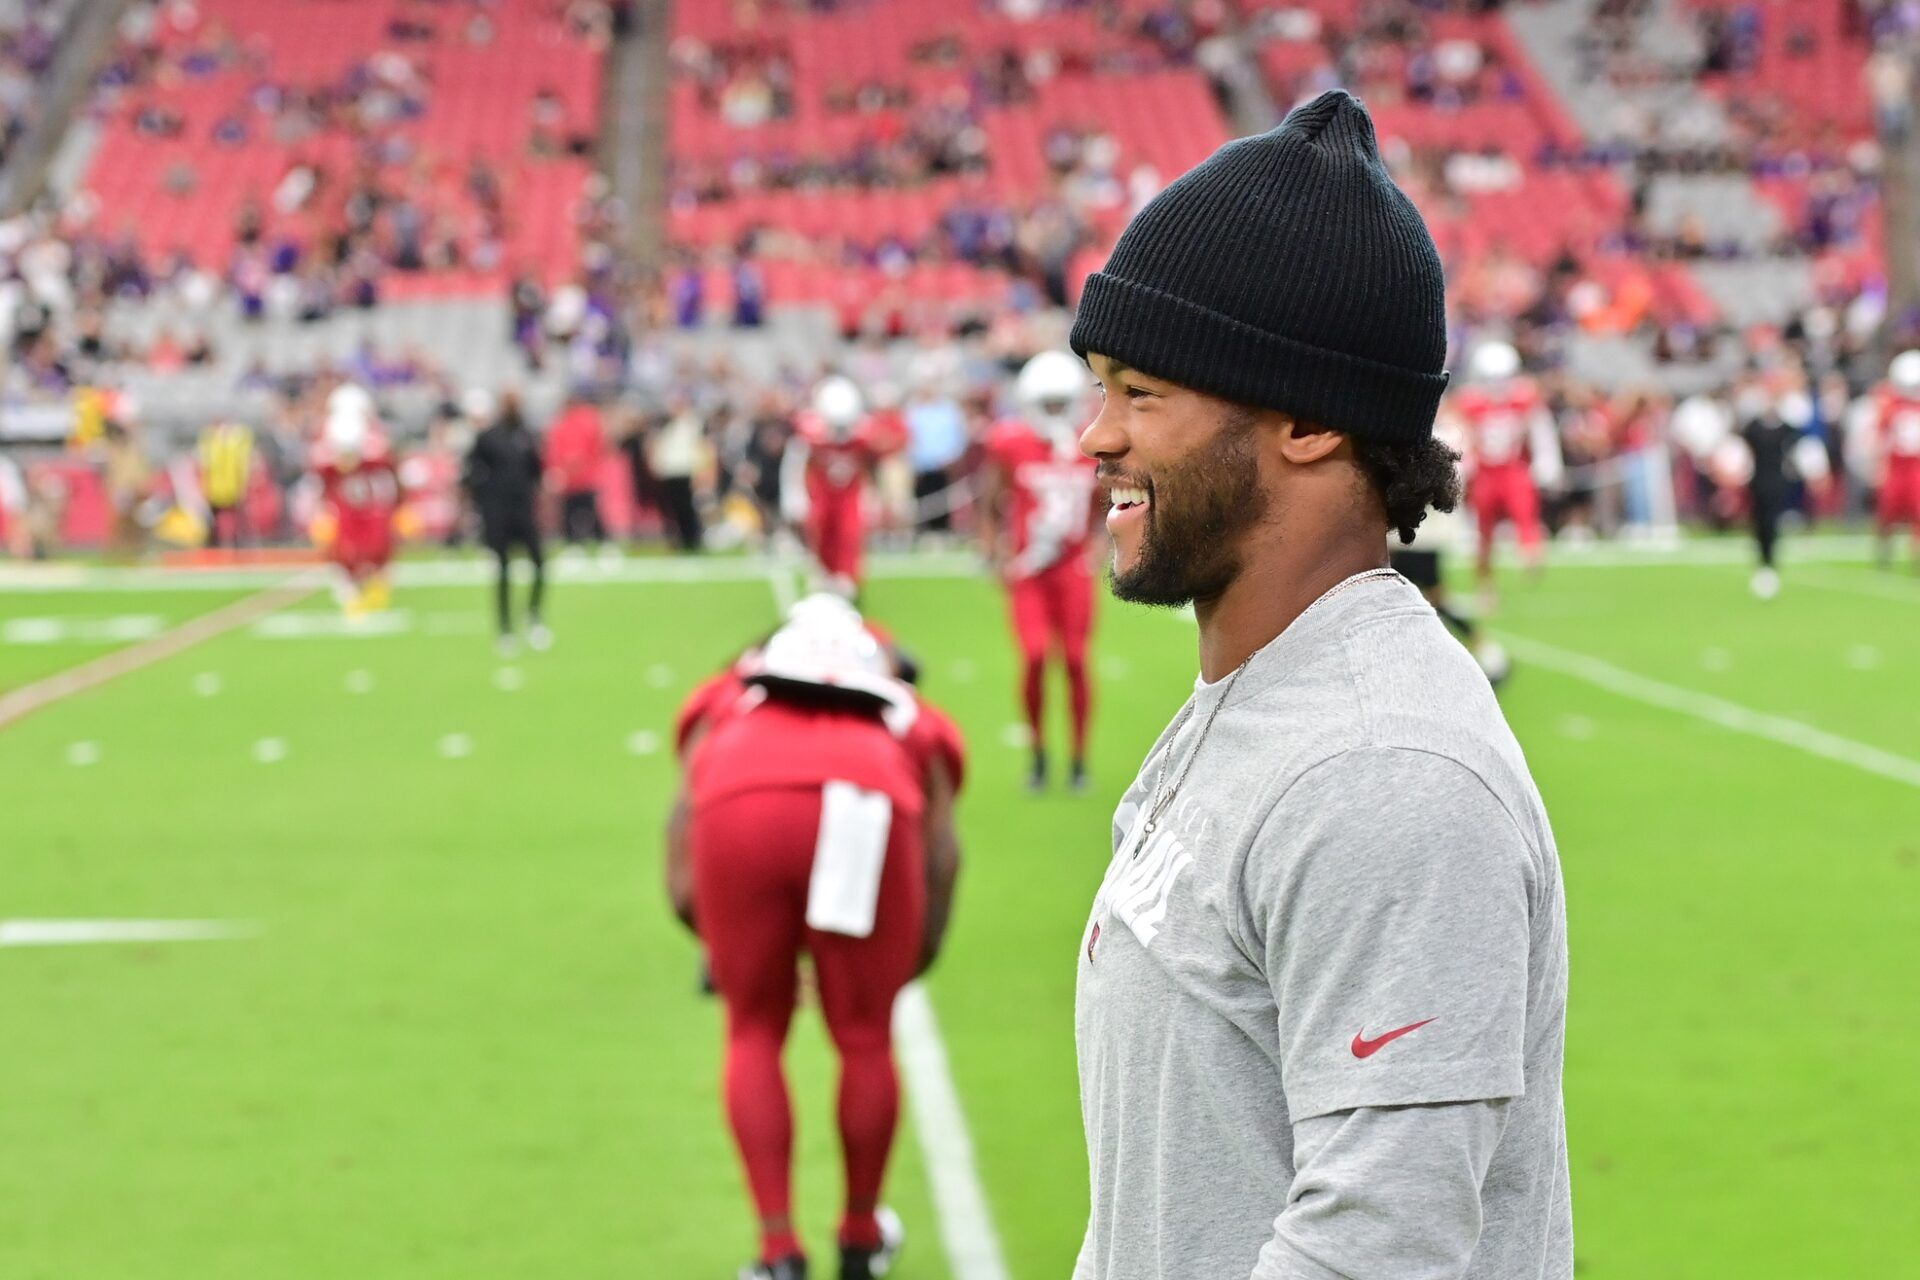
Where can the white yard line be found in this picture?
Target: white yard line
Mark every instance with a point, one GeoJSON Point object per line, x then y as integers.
{"type": "Point", "coordinates": [1728, 715]}
{"type": "Point", "coordinates": [966, 1221]}
{"type": "Point", "coordinates": [27, 699]}
{"type": "Point", "coordinates": [61, 933]}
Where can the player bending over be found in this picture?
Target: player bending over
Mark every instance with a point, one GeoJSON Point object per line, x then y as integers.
{"type": "Point", "coordinates": [816, 816]}
{"type": "Point", "coordinates": [1042, 510]}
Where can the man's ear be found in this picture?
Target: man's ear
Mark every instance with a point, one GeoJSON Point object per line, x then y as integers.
{"type": "Point", "coordinates": [1303, 443]}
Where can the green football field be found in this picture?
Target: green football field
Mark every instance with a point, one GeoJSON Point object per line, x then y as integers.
{"type": "Point", "coordinates": [456, 1033]}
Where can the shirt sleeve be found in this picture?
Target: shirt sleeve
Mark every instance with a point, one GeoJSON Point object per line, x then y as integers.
{"type": "Point", "coordinates": [1389, 899]}
{"type": "Point", "coordinates": [1385, 1191]}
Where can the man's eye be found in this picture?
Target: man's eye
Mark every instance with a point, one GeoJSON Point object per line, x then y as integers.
{"type": "Point", "coordinates": [1138, 393]}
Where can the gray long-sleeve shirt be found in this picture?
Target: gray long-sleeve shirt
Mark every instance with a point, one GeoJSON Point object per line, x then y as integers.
{"type": "Point", "coordinates": [1321, 1007]}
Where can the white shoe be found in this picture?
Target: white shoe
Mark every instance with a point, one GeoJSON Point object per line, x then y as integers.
{"type": "Point", "coordinates": [506, 646]}
{"type": "Point", "coordinates": [1766, 584]}
{"type": "Point", "coordinates": [539, 637]}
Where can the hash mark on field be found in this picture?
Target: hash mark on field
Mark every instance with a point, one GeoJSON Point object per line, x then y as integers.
{"type": "Point", "coordinates": [643, 743]}
{"type": "Point", "coordinates": [1579, 728]}
{"type": "Point", "coordinates": [962, 671]}
{"type": "Point", "coordinates": [270, 750]}
{"type": "Point", "coordinates": [659, 675]}
{"type": "Point", "coordinates": [82, 754]}
{"type": "Point", "coordinates": [1863, 657]}
{"type": "Point", "coordinates": [1728, 715]}
{"type": "Point", "coordinates": [1716, 659]}
{"type": "Point", "coordinates": [359, 680]}
{"type": "Point", "coordinates": [509, 680]}
{"type": "Point", "coordinates": [966, 1221]}
{"type": "Point", "coordinates": [1016, 736]}
{"type": "Point", "coordinates": [27, 699]}
{"type": "Point", "coordinates": [55, 933]}
{"type": "Point", "coordinates": [207, 684]}
{"type": "Point", "coordinates": [456, 746]}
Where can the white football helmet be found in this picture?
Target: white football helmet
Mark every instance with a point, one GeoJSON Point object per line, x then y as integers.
{"type": "Point", "coordinates": [1494, 362]}
{"type": "Point", "coordinates": [1904, 372]}
{"type": "Point", "coordinates": [839, 403]}
{"type": "Point", "coordinates": [1050, 388]}
{"type": "Point", "coordinates": [825, 644]}
{"type": "Point", "coordinates": [347, 432]}
{"type": "Point", "coordinates": [349, 399]}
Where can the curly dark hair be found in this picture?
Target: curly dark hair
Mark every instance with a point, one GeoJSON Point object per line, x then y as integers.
{"type": "Point", "coordinates": [1410, 479]}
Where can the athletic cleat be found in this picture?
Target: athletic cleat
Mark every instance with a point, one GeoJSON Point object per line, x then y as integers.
{"type": "Point", "coordinates": [506, 646]}
{"type": "Point", "coordinates": [1766, 584]}
{"type": "Point", "coordinates": [1037, 776]}
{"type": "Point", "coordinates": [872, 1264]}
{"type": "Point", "coordinates": [539, 637]}
{"type": "Point", "coordinates": [794, 1268]}
{"type": "Point", "coordinates": [1077, 780]}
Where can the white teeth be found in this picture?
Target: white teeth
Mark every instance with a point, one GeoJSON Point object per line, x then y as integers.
{"type": "Point", "coordinates": [1126, 496]}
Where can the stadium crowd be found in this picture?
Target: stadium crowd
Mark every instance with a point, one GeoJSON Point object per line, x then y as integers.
{"type": "Point", "coordinates": [691, 444]}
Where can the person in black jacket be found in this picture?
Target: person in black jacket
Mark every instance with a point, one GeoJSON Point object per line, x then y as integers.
{"type": "Point", "coordinates": [503, 478]}
{"type": "Point", "coordinates": [1770, 436]}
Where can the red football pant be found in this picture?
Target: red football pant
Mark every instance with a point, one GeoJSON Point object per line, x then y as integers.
{"type": "Point", "coordinates": [363, 544]}
{"type": "Point", "coordinates": [1507, 493]}
{"type": "Point", "coordinates": [1054, 609]}
{"type": "Point", "coordinates": [1899, 500]}
{"type": "Point", "coordinates": [836, 530]}
{"type": "Point", "coordinates": [752, 858]}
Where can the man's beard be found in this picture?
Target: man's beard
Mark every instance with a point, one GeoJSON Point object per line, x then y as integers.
{"type": "Point", "coordinates": [1189, 549]}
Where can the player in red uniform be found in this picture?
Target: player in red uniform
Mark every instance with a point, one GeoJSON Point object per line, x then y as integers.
{"type": "Point", "coordinates": [1897, 426]}
{"type": "Point", "coordinates": [1508, 432]}
{"type": "Point", "coordinates": [816, 815]}
{"type": "Point", "coordinates": [1041, 512]}
{"type": "Point", "coordinates": [829, 467]}
{"type": "Point", "coordinates": [360, 496]}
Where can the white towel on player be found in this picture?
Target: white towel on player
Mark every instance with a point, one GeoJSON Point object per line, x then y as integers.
{"type": "Point", "coordinates": [849, 856]}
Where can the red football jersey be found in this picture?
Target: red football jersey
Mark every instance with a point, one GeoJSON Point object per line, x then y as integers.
{"type": "Point", "coordinates": [1051, 487]}
{"type": "Point", "coordinates": [1498, 423]}
{"type": "Point", "coordinates": [773, 742]}
{"type": "Point", "coordinates": [723, 697]}
{"type": "Point", "coordinates": [837, 466]}
{"type": "Point", "coordinates": [368, 489]}
{"type": "Point", "coordinates": [1899, 420]}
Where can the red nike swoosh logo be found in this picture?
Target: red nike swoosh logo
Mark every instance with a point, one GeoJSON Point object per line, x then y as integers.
{"type": "Point", "coordinates": [1365, 1048]}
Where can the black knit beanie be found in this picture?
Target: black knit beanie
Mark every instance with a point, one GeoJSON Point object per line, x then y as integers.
{"type": "Point", "coordinates": [1286, 271]}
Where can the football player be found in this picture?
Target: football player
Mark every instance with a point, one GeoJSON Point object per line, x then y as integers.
{"type": "Point", "coordinates": [1041, 512]}
{"type": "Point", "coordinates": [828, 469]}
{"type": "Point", "coordinates": [1897, 441]}
{"type": "Point", "coordinates": [1508, 435]}
{"type": "Point", "coordinates": [816, 816]}
{"type": "Point", "coordinates": [360, 496]}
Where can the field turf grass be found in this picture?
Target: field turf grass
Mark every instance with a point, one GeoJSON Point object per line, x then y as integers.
{"type": "Point", "coordinates": [466, 1043]}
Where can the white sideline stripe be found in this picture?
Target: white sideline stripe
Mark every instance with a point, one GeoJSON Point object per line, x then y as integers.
{"type": "Point", "coordinates": [29, 698]}
{"type": "Point", "coordinates": [1728, 715]}
{"type": "Point", "coordinates": [470, 571]}
{"type": "Point", "coordinates": [785, 590]}
{"type": "Point", "coordinates": [60, 933]}
{"type": "Point", "coordinates": [966, 1221]}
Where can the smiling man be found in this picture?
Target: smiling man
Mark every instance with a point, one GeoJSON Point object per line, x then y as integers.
{"type": "Point", "coordinates": [1322, 995]}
